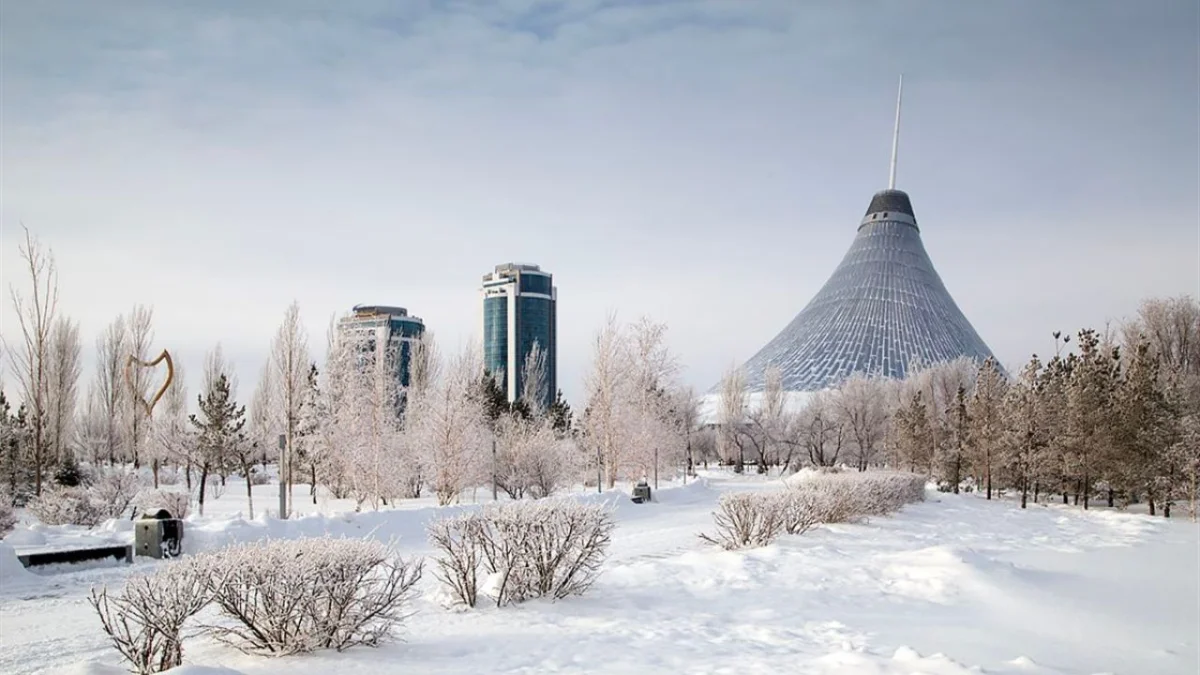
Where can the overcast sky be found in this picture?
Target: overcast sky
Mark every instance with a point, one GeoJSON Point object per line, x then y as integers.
{"type": "Point", "coordinates": [704, 163]}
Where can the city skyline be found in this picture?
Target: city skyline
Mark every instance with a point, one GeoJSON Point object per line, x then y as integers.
{"type": "Point", "coordinates": [698, 164]}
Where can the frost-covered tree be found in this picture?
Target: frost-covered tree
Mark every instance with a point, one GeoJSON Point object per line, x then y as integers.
{"type": "Point", "coordinates": [446, 425]}
{"type": "Point", "coordinates": [36, 316]}
{"type": "Point", "coordinates": [765, 421]}
{"type": "Point", "coordinates": [859, 403]}
{"type": "Point", "coordinates": [1021, 448]}
{"type": "Point", "coordinates": [986, 423]}
{"type": "Point", "coordinates": [63, 397]}
{"type": "Point", "coordinates": [140, 383]}
{"type": "Point", "coordinates": [822, 430]}
{"type": "Point", "coordinates": [109, 391]}
{"type": "Point", "coordinates": [172, 434]}
{"type": "Point", "coordinates": [605, 419]}
{"type": "Point", "coordinates": [290, 366]}
{"type": "Point", "coordinates": [731, 417]}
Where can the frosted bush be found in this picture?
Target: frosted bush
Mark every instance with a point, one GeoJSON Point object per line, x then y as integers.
{"type": "Point", "coordinates": [460, 541]}
{"type": "Point", "coordinates": [114, 491]}
{"type": "Point", "coordinates": [288, 597]}
{"type": "Point", "coordinates": [178, 504]}
{"type": "Point", "coordinates": [746, 520]}
{"type": "Point", "coordinates": [145, 621]}
{"type": "Point", "coordinates": [67, 506]}
{"type": "Point", "coordinates": [8, 517]}
{"type": "Point", "coordinates": [549, 548]}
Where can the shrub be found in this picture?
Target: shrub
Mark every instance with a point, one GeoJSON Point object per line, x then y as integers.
{"type": "Point", "coordinates": [68, 473]}
{"type": "Point", "coordinates": [114, 491]}
{"type": "Point", "coordinates": [145, 621]}
{"type": "Point", "coordinates": [746, 520]}
{"type": "Point", "coordinates": [460, 539]}
{"type": "Point", "coordinates": [288, 597]}
{"type": "Point", "coordinates": [8, 517]}
{"type": "Point", "coordinates": [259, 477]}
{"type": "Point", "coordinates": [176, 503]}
{"type": "Point", "coordinates": [550, 548]}
{"type": "Point", "coordinates": [67, 506]}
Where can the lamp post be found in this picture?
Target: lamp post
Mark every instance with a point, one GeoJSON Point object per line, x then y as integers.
{"type": "Point", "coordinates": [494, 493]}
{"type": "Point", "coordinates": [599, 471]}
{"type": "Point", "coordinates": [283, 495]}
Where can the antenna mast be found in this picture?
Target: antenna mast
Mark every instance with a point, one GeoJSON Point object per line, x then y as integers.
{"type": "Point", "coordinates": [896, 136]}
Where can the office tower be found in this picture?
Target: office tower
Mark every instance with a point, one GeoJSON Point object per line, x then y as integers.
{"type": "Point", "coordinates": [519, 310]}
{"type": "Point", "coordinates": [382, 324]}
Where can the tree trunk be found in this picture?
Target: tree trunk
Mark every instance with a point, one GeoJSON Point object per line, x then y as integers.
{"type": "Point", "coordinates": [1167, 509]}
{"type": "Point", "coordinates": [987, 471]}
{"type": "Point", "coordinates": [246, 468]}
{"type": "Point", "coordinates": [203, 485]}
{"type": "Point", "coordinates": [1036, 487]}
{"type": "Point", "coordinates": [1150, 500]}
{"type": "Point", "coordinates": [187, 472]}
{"type": "Point", "coordinates": [1086, 488]}
{"type": "Point", "coordinates": [1024, 492]}
{"type": "Point", "coordinates": [1065, 500]}
{"type": "Point", "coordinates": [1110, 498]}
{"type": "Point", "coordinates": [154, 469]}
{"type": "Point", "coordinates": [313, 489]}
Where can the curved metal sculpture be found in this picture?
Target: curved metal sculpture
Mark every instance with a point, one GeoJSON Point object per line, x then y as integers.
{"type": "Point", "coordinates": [148, 406]}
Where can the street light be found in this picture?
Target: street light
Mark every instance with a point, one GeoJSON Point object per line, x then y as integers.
{"type": "Point", "coordinates": [283, 495]}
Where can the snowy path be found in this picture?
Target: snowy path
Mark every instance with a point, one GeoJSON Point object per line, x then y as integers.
{"type": "Point", "coordinates": [942, 586]}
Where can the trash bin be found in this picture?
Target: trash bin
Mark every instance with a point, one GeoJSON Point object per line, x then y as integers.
{"type": "Point", "coordinates": [641, 492]}
{"type": "Point", "coordinates": [157, 535]}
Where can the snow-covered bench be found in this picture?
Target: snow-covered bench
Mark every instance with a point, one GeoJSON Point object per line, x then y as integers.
{"type": "Point", "coordinates": [52, 556]}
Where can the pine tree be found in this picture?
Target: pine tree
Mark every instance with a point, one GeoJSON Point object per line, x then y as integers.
{"type": "Point", "coordinates": [914, 437]}
{"type": "Point", "coordinates": [1090, 391]}
{"type": "Point", "coordinates": [560, 415]}
{"type": "Point", "coordinates": [1022, 445]}
{"type": "Point", "coordinates": [220, 425]}
{"type": "Point", "coordinates": [1144, 431]}
{"type": "Point", "coordinates": [950, 469]}
{"type": "Point", "coordinates": [985, 418]}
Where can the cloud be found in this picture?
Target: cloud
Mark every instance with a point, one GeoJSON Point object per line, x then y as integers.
{"type": "Point", "coordinates": [705, 162]}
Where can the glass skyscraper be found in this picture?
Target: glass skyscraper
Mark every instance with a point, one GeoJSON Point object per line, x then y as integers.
{"type": "Point", "coordinates": [391, 326]}
{"type": "Point", "coordinates": [519, 310]}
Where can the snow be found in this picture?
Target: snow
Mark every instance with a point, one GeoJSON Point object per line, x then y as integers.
{"type": "Point", "coordinates": [954, 585]}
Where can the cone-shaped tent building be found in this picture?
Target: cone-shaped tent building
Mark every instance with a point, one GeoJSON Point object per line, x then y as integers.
{"type": "Point", "coordinates": [884, 309]}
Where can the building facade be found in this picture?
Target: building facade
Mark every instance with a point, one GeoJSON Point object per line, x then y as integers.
{"type": "Point", "coordinates": [378, 325]}
{"type": "Point", "coordinates": [519, 310]}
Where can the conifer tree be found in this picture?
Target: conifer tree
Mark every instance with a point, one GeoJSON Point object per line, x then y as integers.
{"type": "Point", "coordinates": [220, 424]}
{"type": "Point", "coordinates": [986, 425]}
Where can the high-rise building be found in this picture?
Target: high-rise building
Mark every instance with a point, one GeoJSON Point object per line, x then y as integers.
{"type": "Point", "coordinates": [884, 309]}
{"type": "Point", "coordinates": [519, 310]}
{"type": "Point", "coordinates": [383, 325]}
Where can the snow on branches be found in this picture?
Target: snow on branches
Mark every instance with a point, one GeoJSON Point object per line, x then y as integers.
{"type": "Point", "coordinates": [752, 519]}
{"type": "Point", "coordinates": [632, 423]}
{"type": "Point", "coordinates": [550, 548]}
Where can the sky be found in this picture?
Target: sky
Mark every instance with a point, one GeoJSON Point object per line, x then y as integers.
{"type": "Point", "coordinates": [703, 163]}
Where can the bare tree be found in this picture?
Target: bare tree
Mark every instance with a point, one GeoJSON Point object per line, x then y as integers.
{"type": "Point", "coordinates": [860, 404]}
{"type": "Point", "coordinates": [602, 423]}
{"type": "Point", "coordinates": [766, 420]}
{"type": "Point", "coordinates": [140, 382]}
{"type": "Point", "coordinates": [170, 424]}
{"type": "Point", "coordinates": [290, 363]}
{"type": "Point", "coordinates": [64, 387]}
{"type": "Point", "coordinates": [36, 314]}
{"type": "Point", "coordinates": [731, 417]}
{"type": "Point", "coordinates": [108, 389]}
{"type": "Point", "coordinates": [823, 429]}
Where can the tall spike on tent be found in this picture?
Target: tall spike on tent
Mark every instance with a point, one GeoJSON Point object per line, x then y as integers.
{"type": "Point", "coordinates": [896, 135]}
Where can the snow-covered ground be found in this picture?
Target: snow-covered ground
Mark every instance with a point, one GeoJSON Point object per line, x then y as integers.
{"type": "Point", "coordinates": [954, 585]}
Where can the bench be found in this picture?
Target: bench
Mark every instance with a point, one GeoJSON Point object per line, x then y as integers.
{"type": "Point", "coordinates": [75, 555]}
